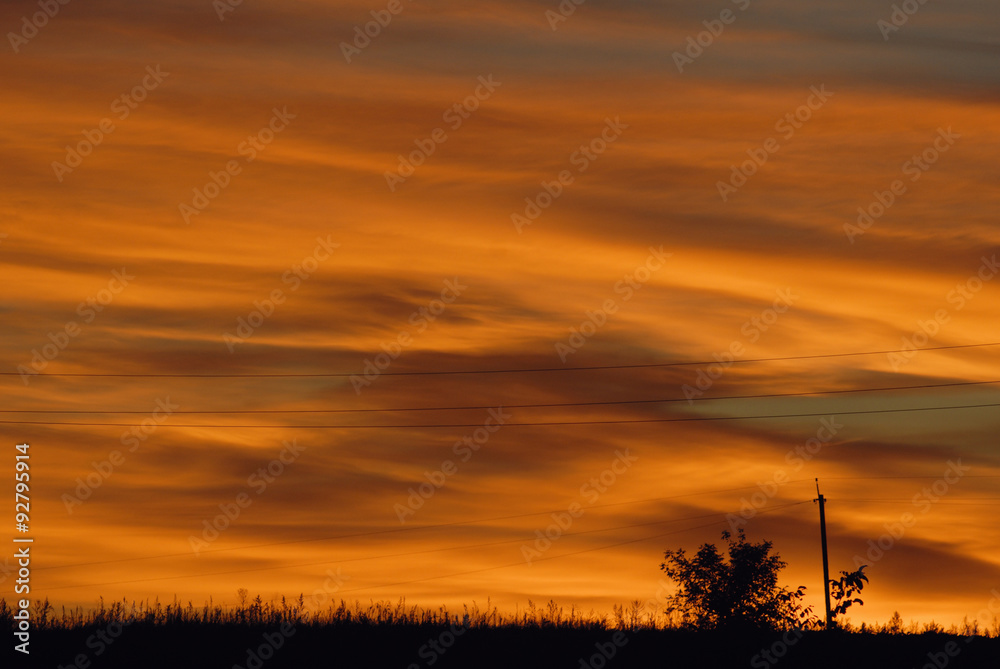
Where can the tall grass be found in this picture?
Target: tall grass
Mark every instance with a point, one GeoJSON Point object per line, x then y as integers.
{"type": "Point", "coordinates": [375, 613]}
{"type": "Point", "coordinates": [385, 613]}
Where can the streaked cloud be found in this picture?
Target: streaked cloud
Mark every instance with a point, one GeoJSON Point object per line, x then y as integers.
{"type": "Point", "coordinates": [655, 186]}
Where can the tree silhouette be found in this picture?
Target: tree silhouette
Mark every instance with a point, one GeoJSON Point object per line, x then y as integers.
{"type": "Point", "coordinates": [844, 590]}
{"type": "Point", "coordinates": [742, 592]}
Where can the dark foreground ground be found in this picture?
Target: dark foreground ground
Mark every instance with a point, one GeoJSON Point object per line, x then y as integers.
{"type": "Point", "coordinates": [189, 646]}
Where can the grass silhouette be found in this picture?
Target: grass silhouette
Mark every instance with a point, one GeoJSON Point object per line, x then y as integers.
{"type": "Point", "coordinates": [291, 633]}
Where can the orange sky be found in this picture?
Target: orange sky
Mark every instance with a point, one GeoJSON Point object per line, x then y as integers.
{"type": "Point", "coordinates": [308, 230]}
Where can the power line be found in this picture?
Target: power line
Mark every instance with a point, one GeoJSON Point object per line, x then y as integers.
{"type": "Point", "coordinates": [499, 371]}
{"type": "Point", "coordinates": [964, 500]}
{"type": "Point", "coordinates": [874, 478]}
{"type": "Point", "coordinates": [519, 406]}
{"type": "Point", "coordinates": [542, 424]}
{"type": "Point", "coordinates": [394, 530]}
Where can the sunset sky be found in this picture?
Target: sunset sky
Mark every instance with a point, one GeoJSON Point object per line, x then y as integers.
{"type": "Point", "coordinates": [232, 192]}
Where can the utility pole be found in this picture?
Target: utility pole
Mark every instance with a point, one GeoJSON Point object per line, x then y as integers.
{"type": "Point", "coordinates": [826, 560]}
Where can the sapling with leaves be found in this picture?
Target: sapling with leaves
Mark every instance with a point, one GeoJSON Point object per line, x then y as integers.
{"type": "Point", "coordinates": [844, 592]}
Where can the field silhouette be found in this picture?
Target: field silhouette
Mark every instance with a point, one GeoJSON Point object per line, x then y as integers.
{"type": "Point", "coordinates": [285, 633]}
